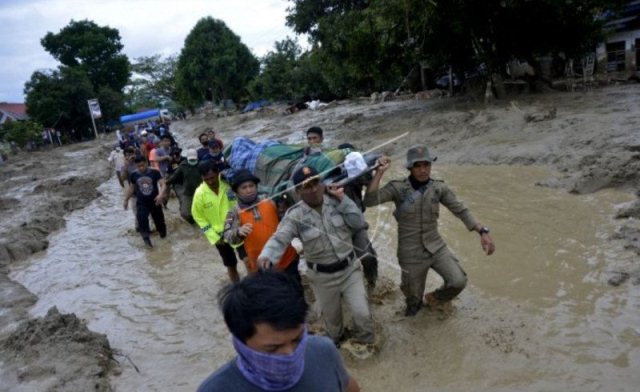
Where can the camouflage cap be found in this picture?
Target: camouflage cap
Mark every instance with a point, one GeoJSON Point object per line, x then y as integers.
{"type": "Point", "coordinates": [418, 153]}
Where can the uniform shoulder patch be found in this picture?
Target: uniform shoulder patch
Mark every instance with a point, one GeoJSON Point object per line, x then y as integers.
{"type": "Point", "coordinates": [292, 208]}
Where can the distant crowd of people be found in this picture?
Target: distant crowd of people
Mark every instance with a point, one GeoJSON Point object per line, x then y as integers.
{"type": "Point", "coordinates": [266, 311]}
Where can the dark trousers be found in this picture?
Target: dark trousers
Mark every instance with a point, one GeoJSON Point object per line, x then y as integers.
{"type": "Point", "coordinates": [144, 210]}
{"type": "Point", "coordinates": [368, 256]}
{"type": "Point", "coordinates": [292, 269]}
{"type": "Point", "coordinates": [227, 254]}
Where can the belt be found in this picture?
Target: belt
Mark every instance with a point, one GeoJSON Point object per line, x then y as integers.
{"type": "Point", "coordinates": [333, 267]}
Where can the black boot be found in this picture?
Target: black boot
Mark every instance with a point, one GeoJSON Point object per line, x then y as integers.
{"type": "Point", "coordinates": [412, 308]}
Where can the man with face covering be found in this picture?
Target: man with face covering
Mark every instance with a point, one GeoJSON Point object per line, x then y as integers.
{"type": "Point", "coordinates": [186, 180]}
{"type": "Point", "coordinates": [253, 221]}
{"type": "Point", "coordinates": [265, 314]}
{"type": "Point", "coordinates": [204, 150]}
{"type": "Point", "coordinates": [417, 199]}
{"type": "Point", "coordinates": [325, 223]}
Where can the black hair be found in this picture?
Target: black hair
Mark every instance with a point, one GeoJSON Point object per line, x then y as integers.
{"type": "Point", "coordinates": [346, 145]}
{"type": "Point", "coordinates": [129, 150]}
{"type": "Point", "coordinates": [270, 297]}
{"type": "Point", "coordinates": [316, 130]}
{"type": "Point", "coordinates": [140, 158]}
{"type": "Point", "coordinates": [208, 165]}
{"type": "Point", "coordinates": [202, 134]}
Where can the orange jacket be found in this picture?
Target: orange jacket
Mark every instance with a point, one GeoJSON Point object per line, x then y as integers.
{"type": "Point", "coordinates": [264, 218]}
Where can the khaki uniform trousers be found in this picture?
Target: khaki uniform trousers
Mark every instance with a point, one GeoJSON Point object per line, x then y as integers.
{"type": "Point", "coordinates": [414, 275]}
{"type": "Point", "coordinates": [331, 290]}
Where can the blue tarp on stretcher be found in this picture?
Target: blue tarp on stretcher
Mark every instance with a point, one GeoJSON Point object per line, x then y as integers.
{"type": "Point", "coordinates": [245, 153]}
{"type": "Point", "coordinates": [140, 116]}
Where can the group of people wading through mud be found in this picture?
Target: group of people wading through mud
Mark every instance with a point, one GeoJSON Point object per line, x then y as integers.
{"type": "Point", "coordinates": [266, 311]}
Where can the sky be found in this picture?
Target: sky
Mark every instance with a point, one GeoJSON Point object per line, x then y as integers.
{"type": "Point", "coordinates": [146, 27]}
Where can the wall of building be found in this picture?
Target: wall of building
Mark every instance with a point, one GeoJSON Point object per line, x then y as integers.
{"type": "Point", "coordinates": [629, 38]}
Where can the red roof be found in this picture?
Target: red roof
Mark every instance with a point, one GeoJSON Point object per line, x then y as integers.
{"type": "Point", "coordinates": [15, 108]}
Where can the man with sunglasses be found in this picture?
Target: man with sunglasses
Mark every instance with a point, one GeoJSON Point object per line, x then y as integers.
{"type": "Point", "coordinates": [420, 247]}
{"type": "Point", "coordinates": [325, 223]}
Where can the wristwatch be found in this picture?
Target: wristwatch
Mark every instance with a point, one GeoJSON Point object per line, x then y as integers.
{"type": "Point", "coordinates": [484, 230]}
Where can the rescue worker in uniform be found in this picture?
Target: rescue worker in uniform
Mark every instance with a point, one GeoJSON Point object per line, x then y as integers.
{"type": "Point", "coordinates": [417, 199]}
{"type": "Point", "coordinates": [211, 202]}
{"type": "Point", "coordinates": [253, 221]}
{"type": "Point", "coordinates": [325, 224]}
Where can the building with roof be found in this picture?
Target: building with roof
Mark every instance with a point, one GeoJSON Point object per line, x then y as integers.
{"type": "Point", "coordinates": [620, 54]}
{"type": "Point", "coordinates": [12, 112]}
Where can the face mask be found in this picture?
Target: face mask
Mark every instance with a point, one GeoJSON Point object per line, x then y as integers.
{"type": "Point", "coordinates": [271, 372]}
{"type": "Point", "coordinates": [248, 200]}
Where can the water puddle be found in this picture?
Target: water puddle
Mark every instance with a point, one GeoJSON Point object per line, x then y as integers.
{"type": "Point", "coordinates": [538, 315]}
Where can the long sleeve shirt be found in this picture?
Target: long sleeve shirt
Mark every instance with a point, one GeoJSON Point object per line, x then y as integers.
{"type": "Point", "coordinates": [326, 235]}
{"type": "Point", "coordinates": [418, 221]}
{"type": "Point", "coordinates": [188, 176]}
{"type": "Point", "coordinates": [209, 209]}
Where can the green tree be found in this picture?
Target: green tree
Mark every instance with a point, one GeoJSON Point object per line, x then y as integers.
{"type": "Point", "coordinates": [287, 74]}
{"type": "Point", "coordinates": [462, 32]}
{"type": "Point", "coordinates": [373, 44]}
{"type": "Point", "coordinates": [95, 49]}
{"type": "Point", "coordinates": [277, 78]}
{"type": "Point", "coordinates": [59, 98]}
{"type": "Point", "coordinates": [21, 132]}
{"type": "Point", "coordinates": [363, 45]}
{"type": "Point", "coordinates": [213, 65]}
{"type": "Point", "coordinates": [92, 66]}
{"type": "Point", "coordinates": [310, 80]}
{"type": "Point", "coordinates": [153, 82]}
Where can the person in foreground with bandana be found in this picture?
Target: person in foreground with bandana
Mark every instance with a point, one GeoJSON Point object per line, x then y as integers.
{"type": "Point", "coordinates": [266, 314]}
{"type": "Point", "coordinates": [420, 247]}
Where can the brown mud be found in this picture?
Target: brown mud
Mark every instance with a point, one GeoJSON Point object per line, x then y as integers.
{"type": "Point", "coordinates": [587, 142]}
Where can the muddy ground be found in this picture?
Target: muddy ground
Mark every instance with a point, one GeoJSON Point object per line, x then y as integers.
{"type": "Point", "coordinates": [590, 139]}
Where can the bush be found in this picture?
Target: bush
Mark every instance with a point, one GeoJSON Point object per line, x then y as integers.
{"type": "Point", "coordinates": [20, 132]}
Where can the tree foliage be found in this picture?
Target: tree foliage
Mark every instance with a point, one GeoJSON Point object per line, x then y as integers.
{"type": "Point", "coordinates": [59, 98]}
{"type": "Point", "coordinates": [95, 49]}
{"type": "Point", "coordinates": [153, 82]}
{"type": "Point", "coordinates": [277, 79]}
{"type": "Point", "coordinates": [213, 65]}
{"type": "Point", "coordinates": [369, 45]}
{"type": "Point", "coordinates": [20, 132]}
{"type": "Point", "coordinates": [92, 66]}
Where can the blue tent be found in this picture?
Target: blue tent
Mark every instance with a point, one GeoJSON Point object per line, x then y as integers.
{"type": "Point", "coordinates": [140, 116]}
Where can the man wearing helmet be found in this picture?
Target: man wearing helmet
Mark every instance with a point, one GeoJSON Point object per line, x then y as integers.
{"type": "Point", "coordinates": [420, 247]}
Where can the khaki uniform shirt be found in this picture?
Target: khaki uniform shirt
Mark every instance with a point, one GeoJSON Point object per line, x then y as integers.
{"type": "Point", "coordinates": [326, 236]}
{"type": "Point", "coordinates": [418, 222]}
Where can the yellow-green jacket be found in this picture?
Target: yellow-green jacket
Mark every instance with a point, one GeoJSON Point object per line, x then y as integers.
{"type": "Point", "coordinates": [209, 210]}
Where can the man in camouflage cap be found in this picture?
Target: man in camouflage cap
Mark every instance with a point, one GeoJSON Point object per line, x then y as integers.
{"type": "Point", "coordinates": [420, 247]}
{"type": "Point", "coordinates": [325, 223]}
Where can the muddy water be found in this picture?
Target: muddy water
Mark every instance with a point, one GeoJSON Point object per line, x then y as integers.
{"type": "Point", "coordinates": [538, 315]}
